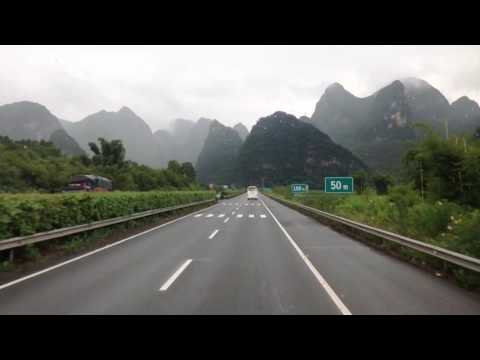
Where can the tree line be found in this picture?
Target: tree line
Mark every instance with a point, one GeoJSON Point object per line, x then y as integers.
{"type": "Point", "coordinates": [29, 165]}
{"type": "Point", "coordinates": [437, 168]}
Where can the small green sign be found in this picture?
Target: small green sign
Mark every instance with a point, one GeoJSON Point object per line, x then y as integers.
{"type": "Point", "coordinates": [339, 185]}
{"type": "Point", "coordinates": [299, 188]}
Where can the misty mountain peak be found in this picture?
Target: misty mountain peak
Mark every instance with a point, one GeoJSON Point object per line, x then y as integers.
{"type": "Point", "coordinates": [464, 101]}
{"type": "Point", "coordinates": [415, 83]}
{"type": "Point", "coordinates": [241, 130]}
{"type": "Point", "coordinates": [126, 110]}
{"type": "Point", "coordinates": [335, 88]}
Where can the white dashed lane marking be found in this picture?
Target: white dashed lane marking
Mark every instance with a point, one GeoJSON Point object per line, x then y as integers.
{"type": "Point", "coordinates": [213, 234]}
{"type": "Point", "coordinates": [226, 220]}
{"type": "Point", "coordinates": [251, 216]}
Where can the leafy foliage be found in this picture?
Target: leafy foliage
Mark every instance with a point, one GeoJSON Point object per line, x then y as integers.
{"type": "Point", "coordinates": [446, 169]}
{"type": "Point", "coordinates": [25, 214]}
{"type": "Point", "coordinates": [29, 165]}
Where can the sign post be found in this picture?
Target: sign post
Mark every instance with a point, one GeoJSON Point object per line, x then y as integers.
{"type": "Point", "coordinates": [339, 185]}
{"type": "Point", "coordinates": [299, 188]}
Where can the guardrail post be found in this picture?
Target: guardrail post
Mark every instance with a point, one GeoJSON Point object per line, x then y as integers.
{"type": "Point", "coordinates": [11, 255]}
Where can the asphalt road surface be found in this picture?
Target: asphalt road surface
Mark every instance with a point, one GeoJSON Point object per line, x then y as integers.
{"type": "Point", "coordinates": [236, 257]}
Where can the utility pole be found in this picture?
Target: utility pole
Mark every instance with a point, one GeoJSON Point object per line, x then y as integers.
{"type": "Point", "coordinates": [421, 179]}
{"type": "Point", "coordinates": [446, 128]}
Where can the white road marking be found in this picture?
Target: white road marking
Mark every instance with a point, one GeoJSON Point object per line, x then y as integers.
{"type": "Point", "coordinates": [263, 216]}
{"type": "Point", "coordinates": [226, 220]}
{"type": "Point", "coordinates": [258, 204]}
{"type": "Point", "coordinates": [251, 216]}
{"type": "Point", "coordinates": [221, 215]}
{"type": "Point", "coordinates": [233, 212]}
{"type": "Point", "coordinates": [198, 215]}
{"type": "Point", "coordinates": [239, 215]}
{"type": "Point", "coordinates": [175, 275]}
{"type": "Point", "coordinates": [337, 301]}
{"type": "Point", "coordinates": [209, 215]}
{"type": "Point", "coordinates": [35, 274]}
{"type": "Point", "coordinates": [213, 234]}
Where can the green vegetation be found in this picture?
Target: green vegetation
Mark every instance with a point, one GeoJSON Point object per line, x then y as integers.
{"type": "Point", "coordinates": [437, 201]}
{"type": "Point", "coordinates": [446, 169]}
{"type": "Point", "coordinates": [441, 223]}
{"type": "Point", "coordinates": [26, 214]}
{"type": "Point", "coordinates": [27, 166]}
{"type": "Point", "coordinates": [229, 193]}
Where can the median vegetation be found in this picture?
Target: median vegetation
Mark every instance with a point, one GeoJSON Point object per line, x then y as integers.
{"type": "Point", "coordinates": [25, 214]}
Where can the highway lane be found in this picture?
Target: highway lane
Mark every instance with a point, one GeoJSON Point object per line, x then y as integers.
{"type": "Point", "coordinates": [368, 280]}
{"type": "Point", "coordinates": [234, 258]}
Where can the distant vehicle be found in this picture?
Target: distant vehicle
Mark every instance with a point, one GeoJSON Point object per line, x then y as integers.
{"type": "Point", "coordinates": [89, 183]}
{"type": "Point", "coordinates": [252, 193]}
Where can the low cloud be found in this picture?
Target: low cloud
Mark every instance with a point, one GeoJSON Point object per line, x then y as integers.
{"type": "Point", "coordinates": [228, 83]}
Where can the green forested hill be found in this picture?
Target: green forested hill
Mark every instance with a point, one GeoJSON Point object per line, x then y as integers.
{"type": "Point", "coordinates": [282, 149]}
{"type": "Point", "coordinates": [217, 161]}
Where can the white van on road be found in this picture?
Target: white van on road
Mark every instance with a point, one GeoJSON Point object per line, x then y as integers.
{"type": "Point", "coordinates": [252, 193]}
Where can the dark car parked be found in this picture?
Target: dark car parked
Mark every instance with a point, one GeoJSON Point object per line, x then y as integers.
{"type": "Point", "coordinates": [89, 183]}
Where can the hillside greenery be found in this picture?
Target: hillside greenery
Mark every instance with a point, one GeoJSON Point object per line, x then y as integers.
{"type": "Point", "coordinates": [282, 149]}
{"type": "Point", "coordinates": [28, 165]}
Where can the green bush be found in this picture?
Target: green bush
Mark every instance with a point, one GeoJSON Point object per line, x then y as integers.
{"type": "Point", "coordinates": [31, 213]}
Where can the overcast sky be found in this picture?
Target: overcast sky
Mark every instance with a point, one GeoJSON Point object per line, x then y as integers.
{"type": "Point", "coordinates": [228, 83]}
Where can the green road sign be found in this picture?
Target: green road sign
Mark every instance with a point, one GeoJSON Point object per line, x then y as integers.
{"type": "Point", "coordinates": [299, 188]}
{"type": "Point", "coordinates": [339, 185]}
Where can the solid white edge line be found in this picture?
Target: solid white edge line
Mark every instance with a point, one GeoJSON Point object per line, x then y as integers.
{"type": "Point", "coordinates": [226, 220]}
{"type": "Point", "coordinates": [35, 274]}
{"type": "Point", "coordinates": [335, 298]}
{"type": "Point", "coordinates": [175, 275]}
{"type": "Point", "coordinates": [213, 234]}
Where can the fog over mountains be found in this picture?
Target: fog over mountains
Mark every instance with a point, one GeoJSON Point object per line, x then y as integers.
{"type": "Point", "coordinates": [353, 133]}
{"type": "Point", "coordinates": [28, 120]}
{"type": "Point", "coordinates": [378, 127]}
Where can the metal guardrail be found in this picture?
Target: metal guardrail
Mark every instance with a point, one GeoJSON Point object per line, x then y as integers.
{"type": "Point", "coordinates": [464, 261]}
{"type": "Point", "coordinates": [15, 242]}
{"type": "Point", "coordinates": [231, 196]}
